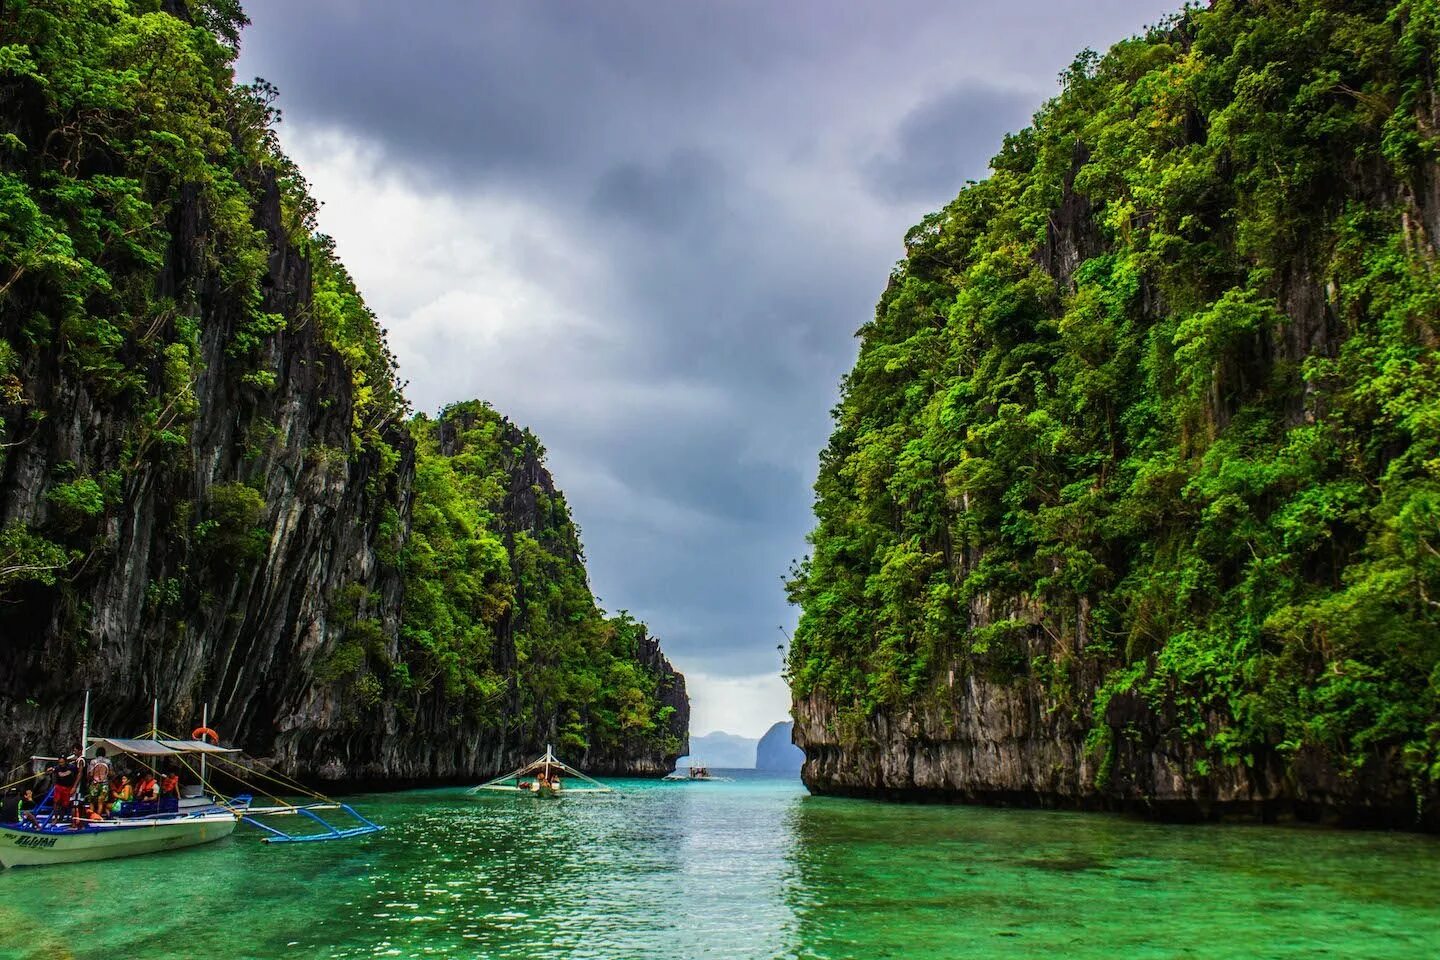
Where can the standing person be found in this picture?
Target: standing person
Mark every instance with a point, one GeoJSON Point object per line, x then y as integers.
{"type": "Point", "coordinates": [97, 790]}
{"type": "Point", "coordinates": [66, 774]}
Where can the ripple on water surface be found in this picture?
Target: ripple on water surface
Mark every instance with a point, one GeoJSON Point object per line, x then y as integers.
{"type": "Point", "coordinates": [750, 869]}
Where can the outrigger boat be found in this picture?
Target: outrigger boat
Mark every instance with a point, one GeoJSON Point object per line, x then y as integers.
{"type": "Point", "coordinates": [696, 771]}
{"type": "Point", "coordinates": [542, 778]}
{"type": "Point", "coordinates": [199, 814]}
{"type": "Point", "coordinates": [49, 835]}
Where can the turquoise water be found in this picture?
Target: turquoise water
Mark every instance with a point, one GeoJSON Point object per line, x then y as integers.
{"type": "Point", "coordinates": [750, 869]}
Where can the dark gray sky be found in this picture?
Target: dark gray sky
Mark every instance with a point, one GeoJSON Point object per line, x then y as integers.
{"type": "Point", "coordinates": [648, 231]}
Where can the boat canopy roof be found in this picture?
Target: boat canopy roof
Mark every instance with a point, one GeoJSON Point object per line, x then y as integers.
{"type": "Point", "coordinates": [159, 748]}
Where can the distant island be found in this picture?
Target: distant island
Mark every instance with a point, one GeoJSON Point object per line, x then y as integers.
{"type": "Point", "coordinates": [728, 751]}
{"type": "Point", "coordinates": [773, 753]}
{"type": "Point", "coordinates": [776, 754]}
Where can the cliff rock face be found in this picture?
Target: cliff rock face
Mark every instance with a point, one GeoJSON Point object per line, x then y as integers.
{"type": "Point", "coordinates": [1006, 744]}
{"type": "Point", "coordinates": [1125, 504]}
{"type": "Point", "coordinates": [558, 668]}
{"type": "Point", "coordinates": [207, 485]}
{"type": "Point", "coordinates": [651, 762]}
{"type": "Point", "coordinates": [149, 613]}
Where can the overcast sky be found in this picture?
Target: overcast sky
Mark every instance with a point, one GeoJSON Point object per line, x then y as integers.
{"type": "Point", "coordinates": [649, 231]}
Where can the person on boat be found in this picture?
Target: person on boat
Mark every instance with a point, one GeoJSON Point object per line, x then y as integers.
{"type": "Point", "coordinates": [148, 790]}
{"type": "Point", "coordinates": [99, 764]}
{"type": "Point", "coordinates": [26, 808]}
{"type": "Point", "coordinates": [19, 809]}
{"type": "Point", "coordinates": [122, 793]}
{"type": "Point", "coordinates": [170, 785]}
{"type": "Point", "coordinates": [66, 775]}
{"type": "Point", "coordinates": [97, 791]}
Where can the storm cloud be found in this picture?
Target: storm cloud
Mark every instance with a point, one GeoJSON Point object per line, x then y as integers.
{"type": "Point", "coordinates": [946, 141]}
{"type": "Point", "coordinates": [648, 231]}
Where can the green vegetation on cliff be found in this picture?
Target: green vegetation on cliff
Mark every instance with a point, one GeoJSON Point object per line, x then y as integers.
{"type": "Point", "coordinates": [497, 603]}
{"type": "Point", "coordinates": [207, 478]}
{"type": "Point", "coordinates": [1164, 391]}
{"type": "Point", "coordinates": [119, 118]}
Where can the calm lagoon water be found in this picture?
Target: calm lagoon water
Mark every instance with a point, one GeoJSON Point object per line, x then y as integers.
{"type": "Point", "coordinates": [750, 869]}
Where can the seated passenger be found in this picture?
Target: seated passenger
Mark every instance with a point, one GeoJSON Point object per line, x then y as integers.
{"type": "Point", "coordinates": [149, 789]}
{"type": "Point", "coordinates": [28, 803]}
{"type": "Point", "coordinates": [122, 792]}
{"type": "Point", "coordinates": [170, 785]}
{"type": "Point", "coordinates": [12, 808]}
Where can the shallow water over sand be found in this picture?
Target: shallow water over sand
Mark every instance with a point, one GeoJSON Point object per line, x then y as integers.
{"type": "Point", "coordinates": [749, 869]}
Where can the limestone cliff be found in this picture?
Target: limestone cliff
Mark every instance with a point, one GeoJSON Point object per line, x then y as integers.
{"type": "Point", "coordinates": [1131, 499]}
{"type": "Point", "coordinates": [207, 483]}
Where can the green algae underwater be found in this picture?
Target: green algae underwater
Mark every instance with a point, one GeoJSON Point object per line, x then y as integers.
{"type": "Point", "coordinates": [756, 868]}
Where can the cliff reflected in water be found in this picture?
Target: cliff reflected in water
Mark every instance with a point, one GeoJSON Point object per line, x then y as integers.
{"type": "Point", "coordinates": [877, 880]}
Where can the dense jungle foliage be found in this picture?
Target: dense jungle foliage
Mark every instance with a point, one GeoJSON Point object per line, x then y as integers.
{"type": "Point", "coordinates": [497, 603]}
{"type": "Point", "coordinates": [121, 118]}
{"type": "Point", "coordinates": [1160, 397]}
{"type": "Point", "coordinates": [120, 113]}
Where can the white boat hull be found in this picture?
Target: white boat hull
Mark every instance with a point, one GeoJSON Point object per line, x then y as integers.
{"type": "Point", "coordinates": [109, 839]}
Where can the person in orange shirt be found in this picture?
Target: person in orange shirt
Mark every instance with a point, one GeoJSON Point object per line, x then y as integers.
{"type": "Point", "coordinates": [148, 789]}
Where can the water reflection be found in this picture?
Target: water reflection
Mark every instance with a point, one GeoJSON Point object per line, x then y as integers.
{"type": "Point", "coordinates": [672, 870]}
{"type": "Point", "coordinates": [751, 869]}
{"type": "Point", "coordinates": [877, 881]}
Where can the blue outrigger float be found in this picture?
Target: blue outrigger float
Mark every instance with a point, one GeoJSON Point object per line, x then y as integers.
{"type": "Point", "coordinates": [199, 814]}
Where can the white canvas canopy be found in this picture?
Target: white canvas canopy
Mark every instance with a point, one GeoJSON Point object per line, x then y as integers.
{"type": "Point", "coordinates": [551, 766]}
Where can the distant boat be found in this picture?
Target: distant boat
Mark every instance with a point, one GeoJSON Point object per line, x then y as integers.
{"type": "Point", "coordinates": [696, 771]}
{"type": "Point", "coordinates": [542, 778]}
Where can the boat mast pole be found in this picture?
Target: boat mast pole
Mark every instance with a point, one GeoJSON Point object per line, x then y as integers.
{"type": "Point", "coordinates": [85, 726]}
{"type": "Point", "coordinates": [155, 718]}
{"type": "Point", "coordinates": [204, 722]}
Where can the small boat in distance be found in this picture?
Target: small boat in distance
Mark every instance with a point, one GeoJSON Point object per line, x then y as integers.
{"type": "Point", "coordinates": [542, 778]}
{"type": "Point", "coordinates": [696, 771]}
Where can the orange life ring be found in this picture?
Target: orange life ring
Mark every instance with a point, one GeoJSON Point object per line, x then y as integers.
{"type": "Point", "coordinates": [199, 732]}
